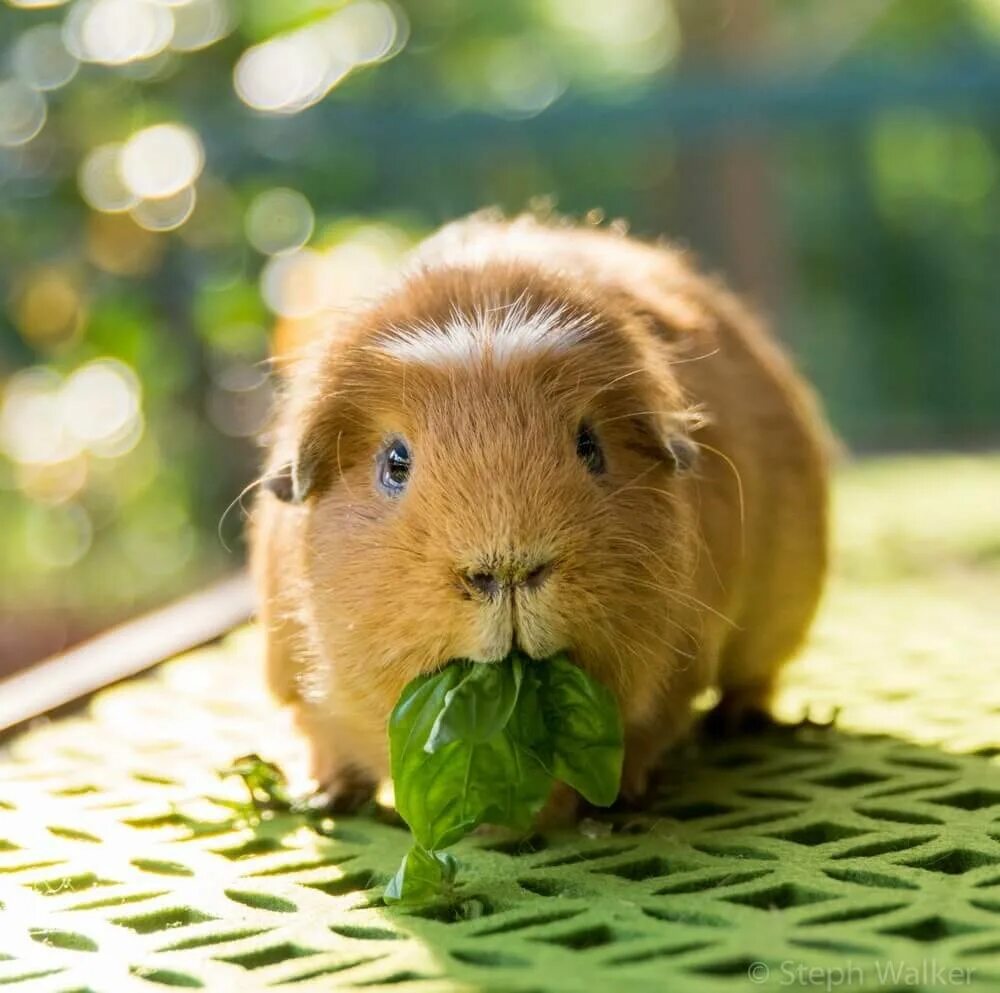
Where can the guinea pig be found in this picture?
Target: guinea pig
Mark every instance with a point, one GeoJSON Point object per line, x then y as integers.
{"type": "Point", "coordinates": [542, 437]}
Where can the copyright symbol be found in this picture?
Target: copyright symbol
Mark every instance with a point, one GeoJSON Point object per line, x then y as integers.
{"type": "Point", "coordinates": [758, 972]}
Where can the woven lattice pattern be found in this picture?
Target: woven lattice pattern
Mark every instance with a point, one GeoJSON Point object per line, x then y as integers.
{"type": "Point", "coordinates": [863, 856]}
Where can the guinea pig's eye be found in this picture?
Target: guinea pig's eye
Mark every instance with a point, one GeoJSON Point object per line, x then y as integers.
{"type": "Point", "coordinates": [394, 467]}
{"type": "Point", "coordinates": [588, 449]}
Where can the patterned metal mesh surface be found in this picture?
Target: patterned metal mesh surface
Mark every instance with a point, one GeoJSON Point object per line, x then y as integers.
{"type": "Point", "coordinates": [865, 856]}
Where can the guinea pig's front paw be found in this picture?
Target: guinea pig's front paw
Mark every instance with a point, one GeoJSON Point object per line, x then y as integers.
{"type": "Point", "coordinates": [343, 791]}
{"type": "Point", "coordinates": [639, 773]}
{"type": "Point", "coordinates": [561, 810]}
{"type": "Point", "coordinates": [743, 711]}
{"type": "Point", "coordinates": [634, 794]}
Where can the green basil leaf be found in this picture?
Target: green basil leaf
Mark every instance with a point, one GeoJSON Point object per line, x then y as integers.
{"type": "Point", "coordinates": [444, 795]}
{"type": "Point", "coordinates": [475, 744]}
{"type": "Point", "coordinates": [422, 876]}
{"type": "Point", "coordinates": [410, 729]}
{"type": "Point", "coordinates": [527, 725]}
{"type": "Point", "coordinates": [418, 707]}
{"type": "Point", "coordinates": [584, 731]}
{"type": "Point", "coordinates": [479, 706]}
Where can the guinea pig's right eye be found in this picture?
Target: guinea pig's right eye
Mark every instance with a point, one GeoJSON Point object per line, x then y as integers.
{"type": "Point", "coordinates": [588, 449]}
{"type": "Point", "coordinates": [394, 467]}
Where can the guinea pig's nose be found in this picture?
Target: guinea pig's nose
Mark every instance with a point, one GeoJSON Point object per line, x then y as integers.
{"type": "Point", "coordinates": [493, 580]}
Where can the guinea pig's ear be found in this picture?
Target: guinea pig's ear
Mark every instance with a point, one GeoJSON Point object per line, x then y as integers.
{"type": "Point", "coordinates": [288, 483]}
{"type": "Point", "coordinates": [676, 431]}
{"type": "Point", "coordinates": [682, 451]}
{"type": "Point", "coordinates": [309, 470]}
{"type": "Point", "coordinates": [665, 440]}
{"type": "Point", "coordinates": [280, 483]}
{"type": "Point", "coordinates": [294, 481]}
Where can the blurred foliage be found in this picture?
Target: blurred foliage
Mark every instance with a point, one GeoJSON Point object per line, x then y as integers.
{"type": "Point", "coordinates": [182, 180]}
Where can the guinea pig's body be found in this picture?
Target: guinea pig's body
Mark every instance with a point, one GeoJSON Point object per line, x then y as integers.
{"type": "Point", "coordinates": [550, 438]}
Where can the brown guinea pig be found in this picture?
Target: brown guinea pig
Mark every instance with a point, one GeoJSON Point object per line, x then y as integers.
{"type": "Point", "coordinates": [542, 437]}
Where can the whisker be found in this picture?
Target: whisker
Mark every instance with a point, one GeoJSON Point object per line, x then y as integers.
{"type": "Point", "coordinates": [613, 382]}
{"type": "Point", "coordinates": [238, 499]}
{"type": "Point", "coordinates": [695, 358]}
{"type": "Point", "coordinates": [620, 641]}
{"type": "Point", "coordinates": [644, 548]}
{"type": "Point", "coordinates": [670, 591]}
{"type": "Point", "coordinates": [692, 599]}
{"type": "Point", "coordinates": [340, 469]}
{"type": "Point", "coordinates": [672, 574]}
{"type": "Point", "coordinates": [628, 485]}
{"type": "Point", "coordinates": [691, 416]}
{"type": "Point", "coordinates": [662, 639]}
{"type": "Point", "coordinates": [739, 488]}
{"type": "Point", "coordinates": [658, 637]}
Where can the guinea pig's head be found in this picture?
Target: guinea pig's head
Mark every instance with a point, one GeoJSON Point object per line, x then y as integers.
{"type": "Point", "coordinates": [492, 460]}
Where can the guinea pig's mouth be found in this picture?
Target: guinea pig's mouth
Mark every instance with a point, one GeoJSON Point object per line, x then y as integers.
{"type": "Point", "coordinates": [517, 650]}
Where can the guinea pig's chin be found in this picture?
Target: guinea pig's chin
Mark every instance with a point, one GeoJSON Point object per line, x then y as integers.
{"type": "Point", "coordinates": [498, 655]}
{"type": "Point", "coordinates": [495, 650]}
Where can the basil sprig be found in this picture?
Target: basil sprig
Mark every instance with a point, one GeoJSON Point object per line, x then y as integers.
{"type": "Point", "coordinates": [482, 744]}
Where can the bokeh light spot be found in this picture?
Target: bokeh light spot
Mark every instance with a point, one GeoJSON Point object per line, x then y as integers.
{"type": "Point", "coordinates": [22, 112]}
{"type": "Point", "coordinates": [200, 23]}
{"type": "Point", "coordinates": [293, 71]}
{"type": "Point", "coordinates": [367, 31]}
{"type": "Point", "coordinates": [626, 38]}
{"type": "Point", "coordinates": [41, 60]}
{"type": "Point", "coordinates": [165, 214]}
{"type": "Point", "coordinates": [31, 426]}
{"type": "Point", "coordinates": [306, 282]}
{"type": "Point", "coordinates": [161, 161]}
{"type": "Point", "coordinates": [116, 32]}
{"type": "Point", "coordinates": [285, 75]}
{"type": "Point", "coordinates": [523, 81]}
{"type": "Point", "coordinates": [293, 285]}
{"type": "Point", "coordinates": [101, 405]}
{"type": "Point", "coordinates": [100, 180]}
{"type": "Point", "coordinates": [54, 482]}
{"type": "Point", "coordinates": [49, 309]}
{"type": "Point", "coordinates": [279, 220]}
{"type": "Point", "coordinates": [45, 420]}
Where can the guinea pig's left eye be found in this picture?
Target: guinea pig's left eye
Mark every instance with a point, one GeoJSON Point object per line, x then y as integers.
{"type": "Point", "coordinates": [394, 467]}
{"type": "Point", "coordinates": [588, 449]}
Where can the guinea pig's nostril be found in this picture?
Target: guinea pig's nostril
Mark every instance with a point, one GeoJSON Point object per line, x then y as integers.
{"type": "Point", "coordinates": [505, 576]}
{"type": "Point", "coordinates": [536, 576]}
{"type": "Point", "coordinates": [483, 583]}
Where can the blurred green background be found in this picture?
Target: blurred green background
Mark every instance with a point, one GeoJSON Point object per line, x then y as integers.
{"type": "Point", "coordinates": [183, 180]}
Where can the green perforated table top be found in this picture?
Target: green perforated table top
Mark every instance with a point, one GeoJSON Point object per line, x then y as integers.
{"type": "Point", "coordinates": [862, 856]}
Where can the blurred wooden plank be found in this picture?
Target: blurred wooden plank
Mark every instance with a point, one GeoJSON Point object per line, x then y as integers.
{"type": "Point", "coordinates": [124, 651]}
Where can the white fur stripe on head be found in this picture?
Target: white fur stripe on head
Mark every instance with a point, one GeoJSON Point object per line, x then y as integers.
{"type": "Point", "coordinates": [498, 333]}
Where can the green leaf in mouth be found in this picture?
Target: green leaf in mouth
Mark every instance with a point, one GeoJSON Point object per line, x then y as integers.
{"type": "Point", "coordinates": [482, 743]}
